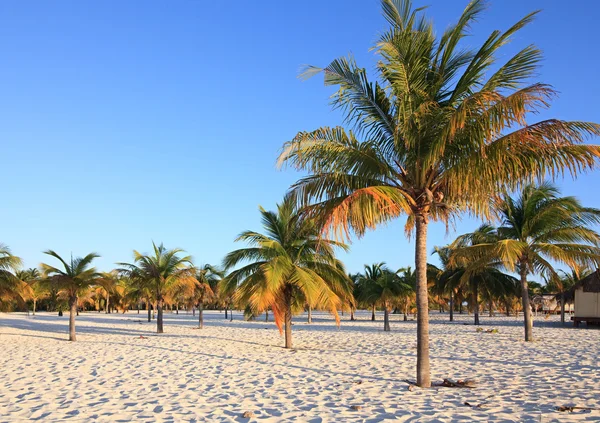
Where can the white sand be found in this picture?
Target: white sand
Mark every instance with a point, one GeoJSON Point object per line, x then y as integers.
{"type": "Point", "coordinates": [112, 375]}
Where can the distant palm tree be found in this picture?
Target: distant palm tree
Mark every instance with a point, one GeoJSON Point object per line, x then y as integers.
{"type": "Point", "coordinates": [381, 286]}
{"type": "Point", "coordinates": [564, 281]}
{"type": "Point", "coordinates": [537, 227]}
{"type": "Point", "coordinates": [207, 276]}
{"type": "Point", "coordinates": [476, 275]}
{"type": "Point", "coordinates": [76, 276]}
{"type": "Point", "coordinates": [108, 282]}
{"type": "Point", "coordinates": [440, 129]}
{"type": "Point", "coordinates": [34, 285]}
{"type": "Point", "coordinates": [159, 271]}
{"type": "Point", "coordinates": [285, 268]}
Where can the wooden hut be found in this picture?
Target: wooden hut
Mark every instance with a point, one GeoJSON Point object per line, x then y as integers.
{"type": "Point", "coordinates": [587, 299]}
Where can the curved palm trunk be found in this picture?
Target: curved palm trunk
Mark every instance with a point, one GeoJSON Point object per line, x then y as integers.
{"type": "Point", "coordinates": [386, 318]}
{"type": "Point", "coordinates": [423, 371]}
{"type": "Point", "coordinates": [451, 305]}
{"type": "Point", "coordinates": [200, 316]}
{"type": "Point", "coordinates": [72, 313]}
{"type": "Point", "coordinates": [159, 320]}
{"type": "Point", "coordinates": [526, 307]}
{"type": "Point", "coordinates": [373, 314]}
{"type": "Point", "coordinates": [476, 303]}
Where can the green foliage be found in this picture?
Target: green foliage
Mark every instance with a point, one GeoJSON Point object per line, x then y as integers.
{"type": "Point", "coordinates": [287, 266]}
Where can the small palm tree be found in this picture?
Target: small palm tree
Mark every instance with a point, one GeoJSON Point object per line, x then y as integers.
{"type": "Point", "coordinates": [75, 276]}
{"type": "Point", "coordinates": [286, 268]}
{"type": "Point", "coordinates": [158, 272]}
{"type": "Point", "coordinates": [381, 286]}
{"type": "Point", "coordinates": [207, 276]}
{"type": "Point", "coordinates": [539, 227]}
{"type": "Point", "coordinates": [36, 289]}
{"type": "Point", "coordinates": [564, 281]}
{"type": "Point", "coordinates": [438, 130]}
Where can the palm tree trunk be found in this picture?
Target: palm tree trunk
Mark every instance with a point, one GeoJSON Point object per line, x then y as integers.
{"type": "Point", "coordinates": [266, 315]}
{"type": "Point", "coordinates": [406, 310]}
{"type": "Point", "coordinates": [386, 318]}
{"type": "Point", "coordinates": [288, 319]}
{"type": "Point", "coordinates": [159, 320]}
{"type": "Point", "coordinates": [507, 308]}
{"type": "Point", "coordinates": [34, 301]}
{"type": "Point", "coordinates": [452, 305]}
{"type": "Point", "coordinates": [373, 314]}
{"type": "Point", "coordinates": [72, 313]}
{"type": "Point", "coordinates": [231, 315]}
{"type": "Point", "coordinates": [149, 307]}
{"type": "Point", "coordinates": [309, 314]}
{"type": "Point", "coordinates": [562, 307]}
{"type": "Point", "coordinates": [491, 308]}
{"type": "Point", "coordinates": [476, 303]}
{"type": "Point", "coordinates": [423, 371]}
{"type": "Point", "coordinates": [526, 307]}
{"type": "Point", "coordinates": [225, 313]}
{"type": "Point", "coordinates": [200, 315]}
{"type": "Point", "coordinates": [352, 314]}
{"type": "Point", "coordinates": [107, 303]}
{"type": "Point", "coordinates": [460, 307]}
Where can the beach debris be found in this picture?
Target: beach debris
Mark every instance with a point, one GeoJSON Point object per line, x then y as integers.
{"type": "Point", "coordinates": [142, 337]}
{"type": "Point", "coordinates": [248, 414]}
{"type": "Point", "coordinates": [460, 383]}
{"type": "Point", "coordinates": [479, 330]}
{"type": "Point", "coordinates": [571, 409]}
{"type": "Point", "coordinates": [358, 382]}
{"type": "Point", "coordinates": [356, 407]}
{"type": "Point", "coordinates": [481, 404]}
{"type": "Point", "coordinates": [411, 387]}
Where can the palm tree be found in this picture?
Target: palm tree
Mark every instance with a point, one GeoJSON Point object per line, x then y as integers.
{"type": "Point", "coordinates": [564, 281]}
{"type": "Point", "coordinates": [537, 227]}
{"type": "Point", "coordinates": [9, 284]}
{"type": "Point", "coordinates": [436, 135]}
{"type": "Point", "coordinates": [159, 272]}
{"type": "Point", "coordinates": [76, 275]}
{"type": "Point", "coordinates": [476, 275]}
{"type": "Point", "coordinates": [285, 268]}
{"type": "Point", "coordinates": [207, 276]}
{"type": "Point", "coordinates": [34, 285]}
{"type": "Point", "coordinates": [108, 282]}
{"type": "Point", "coordinates": [381, 286]}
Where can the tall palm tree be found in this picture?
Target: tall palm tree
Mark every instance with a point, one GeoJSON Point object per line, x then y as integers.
{"type": "Point", "coordinates": [75, 276]}
{"type": "Point", "coordinates": [159, 271]}
{"type": "Point", "coordinates": [286, 268]}
{"type": "Point", "coordinates": [539, 227]}
{"type": "Point", "coordinates": [432, 135]}
{"type": "Point", "coordinates": [381, 286]}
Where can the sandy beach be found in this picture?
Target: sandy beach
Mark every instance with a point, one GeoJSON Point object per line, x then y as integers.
{"type": "Point", "coordinates": [119, 370]}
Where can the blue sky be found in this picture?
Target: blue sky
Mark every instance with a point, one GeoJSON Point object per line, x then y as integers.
{"type": "Point", "coordinates": [123, 122]}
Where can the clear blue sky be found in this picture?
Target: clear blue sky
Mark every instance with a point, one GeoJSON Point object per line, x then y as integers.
{"type": "Point", "coordinates": [123, 122]}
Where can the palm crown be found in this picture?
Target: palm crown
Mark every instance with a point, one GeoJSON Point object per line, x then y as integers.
{"type": "Point", "coordinates": [287, 267]}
